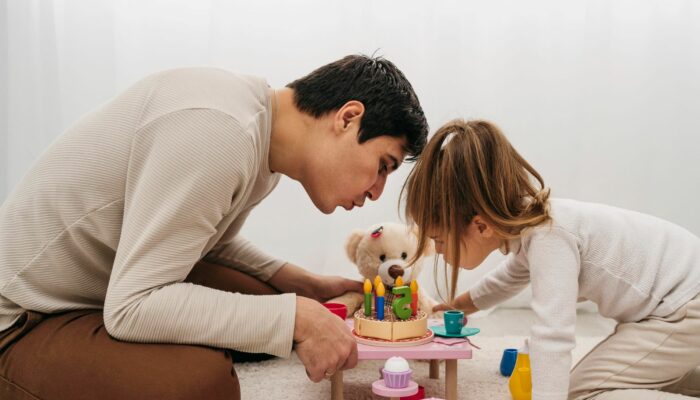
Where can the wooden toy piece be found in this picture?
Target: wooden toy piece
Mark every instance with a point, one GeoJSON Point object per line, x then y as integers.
{"type": "Point", "coordinates": [402, 305]}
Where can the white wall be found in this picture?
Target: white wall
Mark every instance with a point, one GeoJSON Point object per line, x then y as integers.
{"type": "Point", "coordinates": [601, 96]}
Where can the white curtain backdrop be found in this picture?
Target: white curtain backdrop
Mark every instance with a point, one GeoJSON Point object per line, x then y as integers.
{"type": "Point", "coordinates": [601, 96]}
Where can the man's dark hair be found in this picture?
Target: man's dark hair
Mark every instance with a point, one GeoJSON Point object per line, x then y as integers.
{"type": "Point", "coordinates": [391, 106]}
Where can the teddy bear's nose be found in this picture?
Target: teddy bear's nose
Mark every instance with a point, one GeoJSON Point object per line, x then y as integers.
{"type": "Point", "coordinates": [395, 271]}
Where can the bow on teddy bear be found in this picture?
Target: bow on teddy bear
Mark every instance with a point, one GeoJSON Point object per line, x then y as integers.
{"type": "Point", "coordinates": [385, 250]}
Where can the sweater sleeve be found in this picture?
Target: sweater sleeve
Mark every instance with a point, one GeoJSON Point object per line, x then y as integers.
{"type": "Point", "coordinates": [244, 256]}
{"type": "Point", "coordinates": [185, 170]}
{"type": "Point", "coordinates": [554, 261]}
{"type": "Point", "coordinates": [509, 278]}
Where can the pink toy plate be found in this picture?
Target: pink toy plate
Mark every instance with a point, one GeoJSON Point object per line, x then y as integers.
{"type": "Point", "coordinates": [378, 387]}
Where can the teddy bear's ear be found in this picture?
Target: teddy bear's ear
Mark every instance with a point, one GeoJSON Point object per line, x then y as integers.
{"type": "Point", "coordinates": [352, 243]}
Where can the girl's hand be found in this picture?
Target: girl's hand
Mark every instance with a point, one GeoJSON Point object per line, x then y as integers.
{"type": "Point", "coordinates": [442, 307]}
{"type": "Point", "coordinates": [462, 302]}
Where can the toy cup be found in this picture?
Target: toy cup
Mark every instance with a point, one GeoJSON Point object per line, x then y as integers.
{"type": "Point", "coordinates": [338, 309]}
{"type": "Point", "coordinates": [508, 361]}
{"type": "Point", "coordinates": [454, 321]}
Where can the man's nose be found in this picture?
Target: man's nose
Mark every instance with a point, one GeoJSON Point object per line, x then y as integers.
{"type": "Point", "coordinates": [376, 190]}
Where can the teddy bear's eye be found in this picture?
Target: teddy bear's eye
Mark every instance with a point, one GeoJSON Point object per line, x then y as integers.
{"type": "Point", "coordinates": [404, 255]}
{"type": "Point", "coordinates": [382, 257]}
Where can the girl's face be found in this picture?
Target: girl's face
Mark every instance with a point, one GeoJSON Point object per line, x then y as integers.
{"type": "Point", "coordinates": [476, 244]}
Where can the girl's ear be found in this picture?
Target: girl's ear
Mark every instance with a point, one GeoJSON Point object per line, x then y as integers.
{"type": "Point", "coordinates": [482, 227]}
{"type": "Point", "coordinates": [352, 243]}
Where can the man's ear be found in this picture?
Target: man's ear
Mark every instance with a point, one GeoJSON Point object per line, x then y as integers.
{"type": "Point", "coordinates": [482, 226]}
{"type": "Point", "coordinates": [352, 243]}
{"type": "Point", "coordinates": [350, 113]}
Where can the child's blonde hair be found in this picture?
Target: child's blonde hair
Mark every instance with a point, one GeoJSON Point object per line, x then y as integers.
{"type": "Point", "coordinates": [470, 168]}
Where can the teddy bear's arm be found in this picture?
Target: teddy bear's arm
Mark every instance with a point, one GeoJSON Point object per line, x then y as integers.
{"type": "Point", "coordinates": [352, 300]}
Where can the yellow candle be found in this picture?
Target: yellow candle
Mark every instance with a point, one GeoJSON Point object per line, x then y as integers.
{"type": "Point", "coordinates": [414, 286]}
{"type": "Point", "coordinates": [377, 281]}
{"type": "Point", "coordinates": [380, 289]}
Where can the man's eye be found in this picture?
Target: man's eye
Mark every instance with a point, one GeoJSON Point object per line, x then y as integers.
{"type": "Point", "coordinates": [383, 168]}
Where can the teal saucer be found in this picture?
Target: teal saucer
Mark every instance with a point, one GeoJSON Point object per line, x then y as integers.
{"type": "Point", "coordinates": [466, 331]}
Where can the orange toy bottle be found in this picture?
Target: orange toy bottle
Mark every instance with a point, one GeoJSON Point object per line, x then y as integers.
{"type": "Point", "coordinates": [520, 383]}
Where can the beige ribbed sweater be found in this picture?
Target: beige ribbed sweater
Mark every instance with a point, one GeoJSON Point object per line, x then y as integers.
{"type": "Point", "coordinates": [118, 210]}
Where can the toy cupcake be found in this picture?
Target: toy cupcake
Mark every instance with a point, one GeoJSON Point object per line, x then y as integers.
{"type": "Point", "coordinates": [396, 373]}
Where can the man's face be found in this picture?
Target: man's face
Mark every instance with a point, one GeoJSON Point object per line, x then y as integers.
{"type": "Point", "coordinates": [346, 173]}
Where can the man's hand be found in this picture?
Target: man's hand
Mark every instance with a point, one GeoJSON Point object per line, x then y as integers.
{"type": "Point", "coordinates": [328, 287]}
{"type": "Point", "coordinates": [323, 342]}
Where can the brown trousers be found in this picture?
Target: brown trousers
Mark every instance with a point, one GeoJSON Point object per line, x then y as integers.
{"type": "Point", "coordinates": [71, 356]}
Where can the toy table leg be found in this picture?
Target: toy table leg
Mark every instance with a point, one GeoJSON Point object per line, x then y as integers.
{"type": "Point", "coordinates": [451, 379]}
{"type": "Point", "coordinates": [434, 369]}
{"type": "Point", "coordinates": [337, 386]}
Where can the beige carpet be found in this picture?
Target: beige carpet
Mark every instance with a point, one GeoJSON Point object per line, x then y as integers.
{"type": "Point", "coordinates": [478, 378]}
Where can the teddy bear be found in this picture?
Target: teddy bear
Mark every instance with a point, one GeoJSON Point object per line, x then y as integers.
{"type": "Point", "coordinates": [385, 250]}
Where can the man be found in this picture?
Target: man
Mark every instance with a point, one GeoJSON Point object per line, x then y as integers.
{"type": "Point", "coordinates": [122, 274]}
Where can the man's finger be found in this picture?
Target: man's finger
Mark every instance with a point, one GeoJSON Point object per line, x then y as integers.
{"type": "Point", "coordinates": [351, 361]}
{"type": "Point", "coordinates": [354, 286]}
{"type": "Point", "coordinates": [441, 307]}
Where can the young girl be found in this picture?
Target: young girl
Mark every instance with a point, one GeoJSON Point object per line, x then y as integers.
{"type": "Point", "coordinates": [472, 193]}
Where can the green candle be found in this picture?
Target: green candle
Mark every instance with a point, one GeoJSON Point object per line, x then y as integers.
{"type": "Point", "coordinates": [368, 298]}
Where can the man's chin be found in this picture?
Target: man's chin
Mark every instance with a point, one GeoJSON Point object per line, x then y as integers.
{"type": "Point", "coordinates": [326, 209]}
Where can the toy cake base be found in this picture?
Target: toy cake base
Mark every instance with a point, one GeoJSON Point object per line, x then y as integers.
{"type": "Point", "coordinates": [427, 338]}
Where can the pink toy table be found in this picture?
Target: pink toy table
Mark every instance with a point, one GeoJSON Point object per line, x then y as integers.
{"type": "Point", "coordinates": [430, 351]}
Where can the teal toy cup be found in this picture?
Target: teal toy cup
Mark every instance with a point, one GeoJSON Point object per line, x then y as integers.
{"type": "Point", "coordinates": [454, 321]}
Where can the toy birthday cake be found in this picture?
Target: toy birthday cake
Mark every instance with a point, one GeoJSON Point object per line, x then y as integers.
{"type": "Point", "coordinates": [399, 320]}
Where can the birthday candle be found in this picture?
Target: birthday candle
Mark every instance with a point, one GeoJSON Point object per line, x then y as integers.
{"type": "Point", "coordinates": [380, 301]}
{"type": "Point", "coordinates": [414, 297]}
{"type": "Point", "coordinates": [368, 298]}
{"type": "Point", "coordinates": [399, 281]}
{"type": "Point", "coordinates": [377, 280]}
